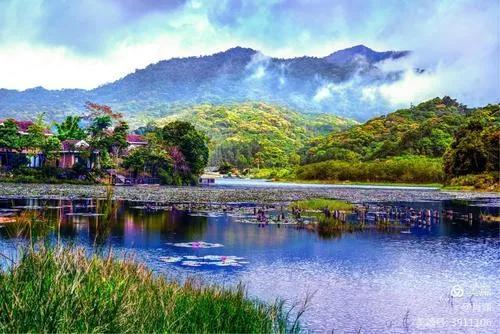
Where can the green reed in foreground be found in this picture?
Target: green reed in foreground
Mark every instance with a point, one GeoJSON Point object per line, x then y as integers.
{"type": "Point", "coordinates": [64, 290]}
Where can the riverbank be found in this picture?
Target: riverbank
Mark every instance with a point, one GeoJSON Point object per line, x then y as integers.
{"type": "Point", "coordinates": [260, 194]}
{"type": "Point", "coordinates": [486, 182]}
{"type": "Point", "coordinates": [64, 290]}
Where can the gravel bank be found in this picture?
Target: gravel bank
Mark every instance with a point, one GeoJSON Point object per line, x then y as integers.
{"type": "Point", "coordinates": [231, 194]}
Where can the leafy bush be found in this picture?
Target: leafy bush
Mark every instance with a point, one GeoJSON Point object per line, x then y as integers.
{"type": "Point", "coordinates": [274, 173]}
{"type": "Point", "coordinates": [417, 169]}
{"type": "Point", "coordinates": [486, 181]}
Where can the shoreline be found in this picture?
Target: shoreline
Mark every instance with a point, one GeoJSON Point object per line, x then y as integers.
{"type": "Point", "coordinates": [234, 194]}
{"type": "Point", "coordinates": [437, 186]}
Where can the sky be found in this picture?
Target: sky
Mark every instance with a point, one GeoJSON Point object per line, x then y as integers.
{"type": "Point", "coordinates": [83, 44]}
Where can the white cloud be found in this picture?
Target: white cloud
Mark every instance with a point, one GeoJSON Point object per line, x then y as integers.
{"type": "Point", "coordinates": [456, 42]}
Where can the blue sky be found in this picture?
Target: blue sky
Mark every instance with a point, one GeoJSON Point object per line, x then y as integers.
{"type": "Point", "coordinates": [86, 43]}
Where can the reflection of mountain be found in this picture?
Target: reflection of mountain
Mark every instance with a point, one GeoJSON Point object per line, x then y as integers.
{"type": "Point", "coordinates": [238, 74]}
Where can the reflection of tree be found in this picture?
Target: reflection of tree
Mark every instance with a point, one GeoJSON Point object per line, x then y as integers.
{"type": "Point", "coordinates": [186, 227]}
{"type": "Point", "coordinates": [330, 234]}
{"type": "Point", "coordinates": [117, 218]}
{"type": "Point", "coordinates": [163, 223]}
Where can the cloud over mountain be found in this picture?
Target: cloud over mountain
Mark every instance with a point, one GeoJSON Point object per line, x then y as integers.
{"type": "Point", "coordinates": [84, 44]}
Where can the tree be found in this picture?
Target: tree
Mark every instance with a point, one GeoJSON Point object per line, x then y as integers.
{"type": "Point", "coordinates": [39, 141]}
{"type": "Point", "coordinates": [94, 110]}
{"type": "Point", "coordinates": [118, 140]}
{"type": "Point", "coordinates": [9, 136]}
{"type": "Point", "coordinates": [70, 129]}
{"type": "Point", "coordinates": [475, 148]}
{"type": "Point", "coordinates": [191, 142]}
{"type": "Point", "coordinates": [51, 148]}
{"type": "Point", "coordinates": [107, 133]}
{"type": "Point", "coordinates": [10, 140]}
{"type": "Point", "coordinates": [151, 160]}
{"type": "Point", "coordinates": [225, 167]}
{"type": "Point", "coordinates": [258, 159]}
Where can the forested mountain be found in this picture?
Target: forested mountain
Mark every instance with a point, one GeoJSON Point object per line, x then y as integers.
{"type": "Point", "coordinates": [236, 75]}
{"type": "Point", "coordinates": [257, 134]}
{"type": "Point", "coordinates": [426, 129]}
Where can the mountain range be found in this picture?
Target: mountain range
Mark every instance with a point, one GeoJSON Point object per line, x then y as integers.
{"type": "Point", "coordinates": [306, 84]}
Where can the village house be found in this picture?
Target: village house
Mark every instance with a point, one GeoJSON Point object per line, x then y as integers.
{"type": "Point", "coordinates": [72, 151]}
{"type": "Point", "coordinates": [35, 159]}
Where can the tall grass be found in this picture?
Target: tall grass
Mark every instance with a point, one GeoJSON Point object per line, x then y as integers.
{"type": "Point", "coordinates": [54, 288]}
{"type": "Point", "coordinates": [64, 290]}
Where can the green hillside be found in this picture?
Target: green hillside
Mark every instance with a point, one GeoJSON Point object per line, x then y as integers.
{"type": "Point", "coordinates": [439, 140]}
{"type": "Point", "coordinates": [426, 129]}
{"type": "Point", "coordinates": [257, 134]}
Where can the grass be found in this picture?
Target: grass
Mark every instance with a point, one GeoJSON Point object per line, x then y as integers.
{"type": "Point", "coordinates": [316, 204]}
{"type": "Point", "coordinates": [62, 289]}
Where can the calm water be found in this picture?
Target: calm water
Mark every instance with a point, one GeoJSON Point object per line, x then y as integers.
{"type": "Point", "coordinates": [431, 279]}
{"type": "Point", "coordinates": [262, 183]}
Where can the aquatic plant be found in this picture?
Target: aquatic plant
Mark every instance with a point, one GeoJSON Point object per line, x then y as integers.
{"type": "Point", "coordinates": [331, 225]}
{"type": "Point", "coordinates": [65, 290]}
{"type": "Point", "coordinates": [196, 244]}
{"type": "Point", "coordinates": [322, 203]}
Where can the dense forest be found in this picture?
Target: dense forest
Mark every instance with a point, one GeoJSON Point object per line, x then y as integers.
{"type": "Point", "coordinates": [439, 140]}
{"type": "Point", "coordinates": [426, 129]}
{"type": "Point", "coordinates": [257, 134]}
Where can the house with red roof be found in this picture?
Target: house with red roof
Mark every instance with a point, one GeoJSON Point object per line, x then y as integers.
{"type": "Point", "coordinates": [72, 151]}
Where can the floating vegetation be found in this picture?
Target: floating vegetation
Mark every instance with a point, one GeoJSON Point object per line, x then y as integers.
{"type": "Point", "coordinates": [273, 222]}
{"type": "Point", "coordinates": [28, 207]}
{"type": "Point", "coordinates": [84, 214]}
{"type": "Point", "coordinates": [228, 195]}
{"type": "Point", "coordinates": [171, 259]}
{"type": "Point", "coordinates": [206, 214]}
{"type": "Point", "coordinates": [152, 208]}
{"type": "Point", "coordinates": [196, 244]}
{"type": "Point", "coordinates": [207, 260]}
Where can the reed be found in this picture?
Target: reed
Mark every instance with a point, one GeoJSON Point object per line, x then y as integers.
{"type": "Point", "coordinates": [61, 289]}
